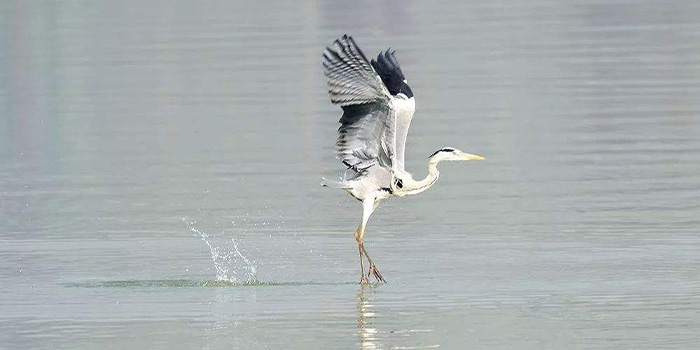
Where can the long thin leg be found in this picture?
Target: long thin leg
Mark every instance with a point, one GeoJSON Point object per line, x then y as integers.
{"type": "Point", "coordinates": [360, 248]}
{"type": "Point", "coordinates": [372, 267]}
{"type": "Point", "coordinates": [368, 206]}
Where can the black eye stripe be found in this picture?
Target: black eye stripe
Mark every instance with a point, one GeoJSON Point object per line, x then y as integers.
{"type": "Point", "coordinates": [445, 149]}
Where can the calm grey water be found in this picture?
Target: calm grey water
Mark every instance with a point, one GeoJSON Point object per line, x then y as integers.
{"type": "Point", "coordinates": [160, 162]}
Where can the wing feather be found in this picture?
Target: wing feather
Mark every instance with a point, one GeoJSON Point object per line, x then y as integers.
{"type": "Point", "coordinates": [402, 102]}
{"type": "Point", "coordinates": [360, 142]}
{"type": "Point", "coordinates": [374, 124]}
{"type": "Point", "coordinates": [350, 76]}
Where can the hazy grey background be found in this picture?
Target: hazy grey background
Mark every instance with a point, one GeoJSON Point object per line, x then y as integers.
{"type": "Point", "coordinates": [130, 130]}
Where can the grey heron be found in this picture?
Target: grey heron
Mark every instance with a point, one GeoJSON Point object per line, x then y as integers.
{"type": "Point", "coordinates": [377, 106]}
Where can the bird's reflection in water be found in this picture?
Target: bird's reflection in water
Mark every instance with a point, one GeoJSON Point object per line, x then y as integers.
{"type": "Point", "coordinates": [367, 334]}
{"type": "Point", "coordinates": [372, 338]}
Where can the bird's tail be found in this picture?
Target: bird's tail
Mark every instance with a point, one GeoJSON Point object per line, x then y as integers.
{"type": "Point", "coordinates": [334, 184]}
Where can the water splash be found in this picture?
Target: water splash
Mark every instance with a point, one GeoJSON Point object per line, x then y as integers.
{"type": "Point", "coordinates": [248, 266]}
{"type": "Point", "coordinates": [227, 258]}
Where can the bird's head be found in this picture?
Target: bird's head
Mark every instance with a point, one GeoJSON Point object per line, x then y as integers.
{"type": "Point", "coordinates": [453, 154]}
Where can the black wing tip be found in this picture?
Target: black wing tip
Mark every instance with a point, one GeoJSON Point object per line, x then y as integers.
{"type": "Point", "coordinates": [388, 59]}
{"type": "Point", "coordinates": [346, 44]}
{"type": "Point", "coordinates": [345, 39]}
{"type": "Point", "coordinates": [387, 67]}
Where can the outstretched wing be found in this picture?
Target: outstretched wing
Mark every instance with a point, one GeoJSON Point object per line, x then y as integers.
{"type": "Point", "coordinates": [366, 136]}
{"type": "Point", "coordinates": [402, 102]}
{"type": "Point", "coordinates": [361, 137]}
{"type": "Point", "coordinates": [350, 77]}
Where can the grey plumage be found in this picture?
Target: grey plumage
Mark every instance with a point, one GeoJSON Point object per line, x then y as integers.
{"type": "Point", "coordinates": [359, 144]}
{"type": "Point", "coordinates": [378, 107]}
{"type": "Point", "coordinates": [372, 118]}
{"type": "Point", "coordinates": [350, 77]}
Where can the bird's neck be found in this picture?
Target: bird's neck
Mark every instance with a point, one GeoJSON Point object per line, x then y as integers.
{"type": "Point", "coordinates": [415, 187]}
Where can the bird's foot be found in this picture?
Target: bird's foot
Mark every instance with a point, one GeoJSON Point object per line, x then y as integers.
{"type": "Point", "coordinates": [364, 280]}
{"type": "Point", "coordinates": [373, 271]}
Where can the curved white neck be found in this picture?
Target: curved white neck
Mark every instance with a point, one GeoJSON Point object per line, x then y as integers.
{"type": "Point", "coordinates": [410, 186]}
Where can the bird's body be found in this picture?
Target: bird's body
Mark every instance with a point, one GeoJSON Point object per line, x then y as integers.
{"type": "Point", "coordinates": [378, 107]}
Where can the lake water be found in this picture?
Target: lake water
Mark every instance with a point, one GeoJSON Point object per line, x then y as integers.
{"type": "Point", "coordinates": [160, 168]}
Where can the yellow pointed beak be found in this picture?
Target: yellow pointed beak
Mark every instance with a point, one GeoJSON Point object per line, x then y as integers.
{"type": "Point", "coordinates": [468, 156]}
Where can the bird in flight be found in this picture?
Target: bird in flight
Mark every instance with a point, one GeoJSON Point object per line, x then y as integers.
{"type": "Point", "coordinates": [378, 106]}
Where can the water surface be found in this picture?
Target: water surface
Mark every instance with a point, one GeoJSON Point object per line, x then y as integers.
{"type": "Point", "coordinates": [160, 162]}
